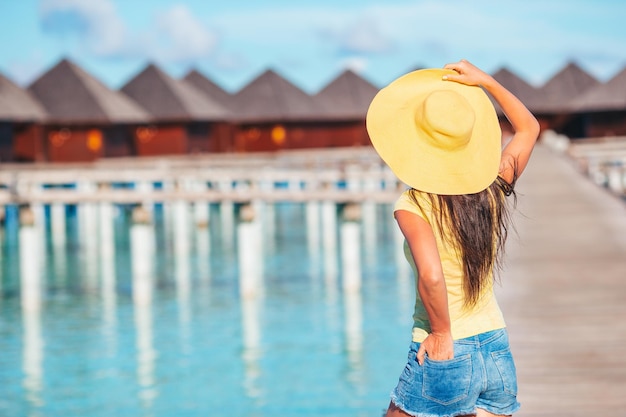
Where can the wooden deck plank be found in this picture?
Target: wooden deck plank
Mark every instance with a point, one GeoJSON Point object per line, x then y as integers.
{"type": "Point", "coordinates": [563, 293]}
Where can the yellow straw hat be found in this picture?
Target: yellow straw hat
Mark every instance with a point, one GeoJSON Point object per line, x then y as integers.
{"type": "Point", "coordinates": [437, 136]}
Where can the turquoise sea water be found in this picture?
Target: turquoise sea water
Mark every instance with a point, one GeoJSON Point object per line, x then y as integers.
{"type": "Point", "coordinates": [296, 313]}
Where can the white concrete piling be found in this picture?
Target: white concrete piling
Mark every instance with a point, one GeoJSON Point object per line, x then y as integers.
{"type": "Point", "coordinates": [88, 232]}
{"type": "Point", "coordinates": [351, 248]}
{"type": "Point", "coordinates": [31, 279]}
{"type": "Point", "coordinates": [145, 187]}
{"type": "Point", "coordinates": [313, 228]}
{"type": "Point", "coordinates": [58, 224]}
{"type": "Point", "coordinates": [201, 209]}
{"type": "Point", "coordinates": [142, 257]}
{"type": "Point", "coordinates": [250, 253]}
{"type": "Point", "coordinates": [58, 230]}
{"type": "Point", "coordinates": [227, 217]}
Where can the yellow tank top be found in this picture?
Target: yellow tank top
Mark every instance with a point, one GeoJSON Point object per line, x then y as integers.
{"type": "Point", "coordinates": [483, 317]}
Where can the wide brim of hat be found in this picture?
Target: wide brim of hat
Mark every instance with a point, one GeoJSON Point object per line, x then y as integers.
{"type": "Point", "coordinates": [416, 162]}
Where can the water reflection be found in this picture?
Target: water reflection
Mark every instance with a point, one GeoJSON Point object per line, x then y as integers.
{"type": "Point", "coordinates": [319, 280]}
{"type": "Point", "coordinates": [107, 273]}
{"type": "Point", "coordinates": [31, 300]}
{"type": "Point", "coordinates": [250, 252]}
{"type": "Point", "coordinates": [251, 354]}
{"type": "Point", "coordinates": [182, 222]}
{"type": "Point", "coordinates": [404, 274]}
{"type": "Point", "coordinates": [142, 249]}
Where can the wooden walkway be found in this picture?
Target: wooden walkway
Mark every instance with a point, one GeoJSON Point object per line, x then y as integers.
{"type": "Point", "coordinates": [563, 293]}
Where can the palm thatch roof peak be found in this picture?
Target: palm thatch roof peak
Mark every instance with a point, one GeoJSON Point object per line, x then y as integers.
{"type": "Point", "coordinates": [169, 99]}
{"type": "Point", "coordinates": [270, 97]}
{"type": "Point", "coordinates": [563, 87]}
{"type": "Point", "coordinates": [610, 96]}
{"type": "Point", "coordinates": [527, 94]}
{"type": "Point", "coordinates": [347, 96]}
{"type": "Point", "coordinates": [71, 95]}
{"type": "Point", "coordinates": [18, 104]}
{"type": "Point", "coordinates": [209, 87]}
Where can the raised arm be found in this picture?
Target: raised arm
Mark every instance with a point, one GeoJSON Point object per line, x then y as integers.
{"type": "Point", "coordinates": [517, 152]}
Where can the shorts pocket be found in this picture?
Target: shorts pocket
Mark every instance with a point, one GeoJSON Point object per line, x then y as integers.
{"type": "Point", "coordinates": [506, 367]}
{"type": "Point", "coordinates": [447, 382]}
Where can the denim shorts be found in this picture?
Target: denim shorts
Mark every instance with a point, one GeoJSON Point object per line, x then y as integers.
{"type": "Point", "coordinates": [481, 375]}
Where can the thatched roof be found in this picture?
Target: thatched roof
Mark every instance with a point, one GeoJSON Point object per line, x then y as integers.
{"type": "Point", "coordinates": [209, 88]}
{"type": "Point", "coordinates": [270, 97]}
{"type": "Point", "coordinates": [516, 85]}
{"type": "Point", "coordinates": [168, 99]}
{"type": "Point", "coordinates": [557, 94]}
{"type": "Point", "coordinates": [610, 96]}
{"type": "Point", "coordinates": [346, 97]}
{"type": "Point", "coordinates": [71, 95]}
{"type": "Point", "coordinates": [17, 104]}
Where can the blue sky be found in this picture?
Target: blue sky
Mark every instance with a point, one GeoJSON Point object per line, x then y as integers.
{"type": "Point", "coordinates": [309, 42]}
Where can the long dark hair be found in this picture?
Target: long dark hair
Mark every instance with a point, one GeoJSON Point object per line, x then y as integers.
{"type": "Point", "coordinates": [478, 225]}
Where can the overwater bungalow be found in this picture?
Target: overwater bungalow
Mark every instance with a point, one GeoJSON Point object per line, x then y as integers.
{"type": "Point", "coordinates": [273, 114]}
{"type": "Point", "coordinates": [344, 103]}
{"type": "Point", "coordinates": [21, 116]}
{"type": "Point", "coordinates": [185, 120]}
{"type": "Point", "coordinates": [603, 108]}
{"type": "Point", "coordinates": [86, 120]}
{"type": "Point", "coordinates": [556, 96]}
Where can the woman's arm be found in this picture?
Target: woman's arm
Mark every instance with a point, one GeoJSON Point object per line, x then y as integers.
{"type": "Point", "coordinates": [516, 154]}
{"type": "Point", "coordinates": [431, 285]}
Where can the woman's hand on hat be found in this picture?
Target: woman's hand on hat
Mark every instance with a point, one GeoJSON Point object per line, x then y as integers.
{"type": "Point", "coordinates": [466, 73]}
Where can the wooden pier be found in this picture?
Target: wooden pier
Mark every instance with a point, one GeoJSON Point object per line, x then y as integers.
{"type": "Point", "coordinates": [563, 292]}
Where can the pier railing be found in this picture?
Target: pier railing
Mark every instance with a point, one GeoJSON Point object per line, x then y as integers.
{"type": "Point", "coordinates": [340, 175]}
{"type": "Point", "coordinates": [603, 160]}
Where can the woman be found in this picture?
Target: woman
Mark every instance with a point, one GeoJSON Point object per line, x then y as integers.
{"type": "Point", "coordinates": [439, 133]}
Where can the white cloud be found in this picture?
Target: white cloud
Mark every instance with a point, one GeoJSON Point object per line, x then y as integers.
{"type": "Point", "coordinates": [355, 63]}
{"type": "Point", "coordinates": [173, 35]}
{"type": "Point", "coordinates": [185, 38]}
{"type": "Point", "coordinates": [96, 24]}
{"type": "Point", "coordinates": [362, 37]}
